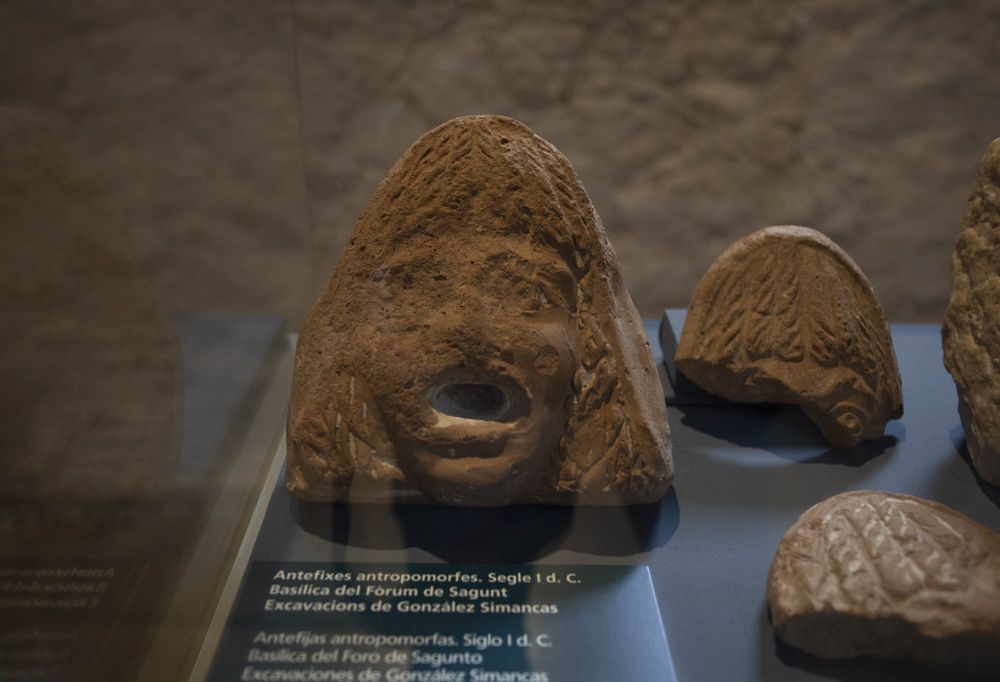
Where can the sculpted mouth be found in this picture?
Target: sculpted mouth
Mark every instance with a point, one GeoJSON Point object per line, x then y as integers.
{"type": "Point", "coordinates": [475, 414]}
{"type": "Point", "coordinates": [479, 449]}
{"type": "Point", "coordinates": [456, 438]}
{"type": "Point", "coordinates": [474, 401]}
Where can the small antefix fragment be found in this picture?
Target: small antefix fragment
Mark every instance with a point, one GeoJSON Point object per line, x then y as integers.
{"type": "Point", "coordinates": [476, 344]}
{"type": "Point", "coordinates": [785, 316]}
{"type": "Point", "coordinates": [971, 331]}
{"type": "Point", "coordinates": [892, 576]}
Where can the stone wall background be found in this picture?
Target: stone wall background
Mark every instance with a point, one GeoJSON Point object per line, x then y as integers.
{"type": "Point", "coordinates": [238, 141]}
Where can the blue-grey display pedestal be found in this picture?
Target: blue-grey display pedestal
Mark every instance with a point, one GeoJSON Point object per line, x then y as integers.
{"type": "Point", "coordinates": [743, 476]}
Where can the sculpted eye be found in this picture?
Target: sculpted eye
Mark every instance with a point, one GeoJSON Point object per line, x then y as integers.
{"type": "Point", "coordinates": [472, 401]}
{"type": "Point", "coordinates": [850, 417]}
{"type": "Point", "coordinates": [558, 287]}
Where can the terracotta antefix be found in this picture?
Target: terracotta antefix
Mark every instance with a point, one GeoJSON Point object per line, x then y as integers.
{"type": "Point", "coordinates": [476, 344]}
{"type": "Point", "coordinates": [785, 316]}
{"type": "Point", "coordinates": [971, 332]}
{"type": "Point", "coordinates": [887, 575]}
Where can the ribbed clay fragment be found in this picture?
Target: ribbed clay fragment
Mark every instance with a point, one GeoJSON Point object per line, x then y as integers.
{"type": "Point", "coordinates": [785, 316]}
{"type": "Point", "coordinates": [971, 331]}
{"type": "Point", "coordinates": [476, 344]}
{"type": "Point", "coordinates": [888, 575]}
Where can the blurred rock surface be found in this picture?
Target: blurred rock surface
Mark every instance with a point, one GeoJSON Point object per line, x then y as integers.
{"type": "Point", "coordinates": [690, 123]}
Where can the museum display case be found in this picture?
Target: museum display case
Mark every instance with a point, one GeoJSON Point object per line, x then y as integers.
{"type": "Point", "coordinates": [476, 459]}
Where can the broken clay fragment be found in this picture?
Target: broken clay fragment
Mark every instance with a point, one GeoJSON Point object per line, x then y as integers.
{"type": "Point", "coordinates": [476, 344]}
{"type": "Point", "coordinates": [785, 316]}
{"type": "Point", "coordinates": [971, 331]}
{"type": "Point", "coordinates": [889, 575]}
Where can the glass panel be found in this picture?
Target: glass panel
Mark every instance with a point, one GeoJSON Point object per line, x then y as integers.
{"type": "Point", "coordinates": [153, 242]}
{"type": "Point", "coordinates": [178, 180]}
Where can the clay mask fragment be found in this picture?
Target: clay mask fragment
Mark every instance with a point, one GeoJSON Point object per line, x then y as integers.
{"type": "Point", "coordinates": [880, 574]}
{"type": "Point", "coordinates": [971, 332]}
{"type": "Point", "coordinates": [476, 344]}
{"type": "Point", "coordinates": [785, 316]}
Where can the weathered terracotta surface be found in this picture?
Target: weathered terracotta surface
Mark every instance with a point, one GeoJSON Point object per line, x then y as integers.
{"type": "Point", "coordinates": [476, 344]}
{"type": "Point", "coordinates": [785, 316]}
{"type": "Point", "coordinates": [888, 575]}
{"type": "Point", "coordinates": [971, 331]}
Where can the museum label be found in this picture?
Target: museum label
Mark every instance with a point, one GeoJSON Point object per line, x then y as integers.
{"type": "Point", "coordinates": [320, 622]}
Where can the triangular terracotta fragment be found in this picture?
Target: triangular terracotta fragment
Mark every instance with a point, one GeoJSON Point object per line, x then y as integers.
{"type": "Point", "coordinates": [476, 344]}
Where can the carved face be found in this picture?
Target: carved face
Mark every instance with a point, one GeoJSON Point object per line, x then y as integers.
{"type": "Point", "coordinates": [476, 344]}
{"type": "Point", "coordinates": [475, 379]}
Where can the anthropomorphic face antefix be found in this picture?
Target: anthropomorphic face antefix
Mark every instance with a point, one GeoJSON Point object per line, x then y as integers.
{"type": "Point", "coordinates": [476, 344]}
